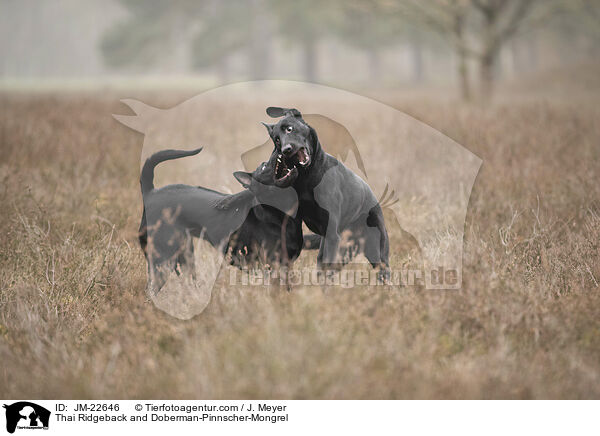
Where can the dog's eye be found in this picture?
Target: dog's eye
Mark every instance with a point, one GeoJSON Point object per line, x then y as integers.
{"type": "Point", "coordinates": [288, 129]}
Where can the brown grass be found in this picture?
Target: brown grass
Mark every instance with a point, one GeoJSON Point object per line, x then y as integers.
{"type": "Point", "coordinates": [75, 321]}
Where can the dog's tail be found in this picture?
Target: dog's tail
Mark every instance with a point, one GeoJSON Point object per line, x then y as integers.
{"type": "Point", "coordinates": [147, 177]}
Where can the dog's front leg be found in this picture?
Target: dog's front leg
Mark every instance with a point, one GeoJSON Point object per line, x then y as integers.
{"type": "Point", "coordinates": [328, 264]}
{"type": "Point", "coordinates": [329, 251]}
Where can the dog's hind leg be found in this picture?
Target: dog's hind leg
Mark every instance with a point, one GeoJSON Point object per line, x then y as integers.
{"type": "Point", "coordinates": [167, 253]}
{"type": "Point", "coordinates": [185, 259]}
{"type": "Point", "coordinates": [158, 265]}
{"type": "Point", "coordinates": [157, 277]}
{"type": "Point", "coordinates": [143, 232]}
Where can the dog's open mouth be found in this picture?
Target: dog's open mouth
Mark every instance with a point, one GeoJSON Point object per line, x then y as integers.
{"type": "Point", "coordinates": [286, 168]}
{"type": "Point", "coordinates": [301, 157]}
{"type": "Point", "coordinates": [284, 172]}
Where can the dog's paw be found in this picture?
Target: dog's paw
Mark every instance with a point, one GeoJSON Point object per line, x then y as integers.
{"type": "Point", "coordinates": [384, 277]}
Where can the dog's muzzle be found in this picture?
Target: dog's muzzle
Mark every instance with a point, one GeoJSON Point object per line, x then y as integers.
{"type": "Point", "coordinates": [286, 167]}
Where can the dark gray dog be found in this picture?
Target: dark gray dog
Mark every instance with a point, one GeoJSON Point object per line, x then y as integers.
{"type": "Point", "coordinates": [335, 203]}
{"type": "Point", "coordinates": [255, 225]}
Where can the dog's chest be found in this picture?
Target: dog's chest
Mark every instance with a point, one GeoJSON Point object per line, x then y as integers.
{"type": "Point", "coordinates": [314, 216]}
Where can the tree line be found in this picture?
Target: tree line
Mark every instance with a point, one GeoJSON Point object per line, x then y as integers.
{"type": "Point", "coordinates": [209, 32]}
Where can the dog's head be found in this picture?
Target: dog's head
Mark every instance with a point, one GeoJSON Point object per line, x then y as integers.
{"type": "Point", "coordinates": [295, 144]}
{"type": "Point", "coordinates": [267, 189]}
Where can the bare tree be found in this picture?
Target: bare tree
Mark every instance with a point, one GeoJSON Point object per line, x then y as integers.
{"type": "Point", "coordinates": [476, 29]}
{"type": "Point", "coordinates": [445, 17]}
{"type": "Point", "coordinates": [500, 21]}
{"type": "Point", "coordinates": [303, 23]}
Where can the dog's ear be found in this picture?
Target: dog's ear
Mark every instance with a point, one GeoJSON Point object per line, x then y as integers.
{"type": "Point", "coordinates": [244, 178]}
{"type": "Point", "coordinates": [269, 128]}
{"type": "Point", "coordinates": [277, 112]}
{"type": "Point", "coordinates": [294, 112]}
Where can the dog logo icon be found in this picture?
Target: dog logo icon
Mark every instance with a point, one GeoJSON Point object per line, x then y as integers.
{"type": "Point", "coordinates": [26, 415]}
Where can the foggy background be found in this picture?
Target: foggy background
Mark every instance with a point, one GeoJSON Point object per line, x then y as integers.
{"type": "Point", "coordinates": [470, 46]}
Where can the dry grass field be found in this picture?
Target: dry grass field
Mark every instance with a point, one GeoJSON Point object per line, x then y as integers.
{"type": "Point", "coordinates": [75, 321]}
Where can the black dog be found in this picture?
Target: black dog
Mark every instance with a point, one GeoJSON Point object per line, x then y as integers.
{"type": "Point", "coordinates": [268, 235]}
{"type": "Point", "coordinates": [334, 202]}
{"type": "Point", "coordinates": [251, 225]}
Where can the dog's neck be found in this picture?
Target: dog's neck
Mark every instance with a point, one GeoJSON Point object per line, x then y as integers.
{"type": "Point", "coordinates": [234, 202]}
{"type": "Point", "coordinates": [319, 153]}
{"type": "Point", "coordinates": [267, 213]}
{"type": "Point", "coordinates": [308, 176]}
